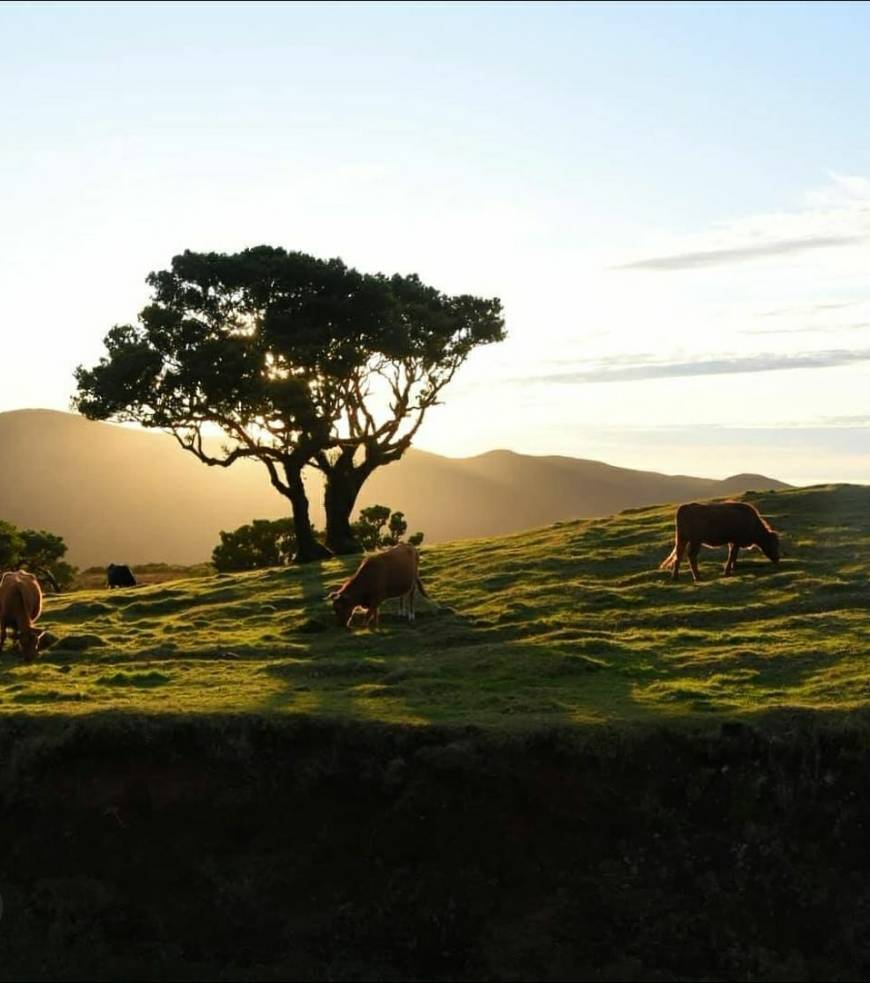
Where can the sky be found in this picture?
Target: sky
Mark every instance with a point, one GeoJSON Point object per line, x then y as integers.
{"type": "Point", "coordinates": [671, 200]}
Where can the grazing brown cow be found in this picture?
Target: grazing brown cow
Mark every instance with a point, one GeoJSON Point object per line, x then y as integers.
{"type": "Point", "coordinates": [20, 606]}
{"type": "Point", "coordinates": [392, 573]}
{"type": "Point", "coordinates": [736, 523]}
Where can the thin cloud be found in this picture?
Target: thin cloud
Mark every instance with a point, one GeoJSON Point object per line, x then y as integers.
{"type": "Point", "coordinates": [741, 254]}
{"type": "Point", "coordinates": [861, 421]}
{"type": "Point", "coordinates": [809, 329]}
{"type": "Point", "coordinates": [809, 308]}
{"type": "Point", "coordinates": [643, 370]}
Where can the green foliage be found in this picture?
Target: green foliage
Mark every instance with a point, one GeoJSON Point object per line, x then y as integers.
{"type": "Point", "coordinates": [41, 548]}
{"type": "Point", "coordinates": [11, 545]}
{"type": "Point", "coordinates": [370, 532]}
{"type": "Point", "coordinates": [568, 625]}
{"type": "Point", "coordinates": [38, 551]}
{"type": "Point", "coordinates": [262, 543]}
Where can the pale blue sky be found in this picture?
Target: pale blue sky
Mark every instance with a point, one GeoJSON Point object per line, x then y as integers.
{"type": "Point", "coordinates": [523, 150]}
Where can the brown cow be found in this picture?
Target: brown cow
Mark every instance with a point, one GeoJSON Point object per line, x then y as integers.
{"type": "Point", "coordinates": [20, 606]}
{"type": "Point", "coordinates": [392, 573]}
{"type": "Point", "coordinates": [736, 524]}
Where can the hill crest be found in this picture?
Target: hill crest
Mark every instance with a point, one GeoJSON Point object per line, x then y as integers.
{"type": "Point", "coordinates": [124, 495]}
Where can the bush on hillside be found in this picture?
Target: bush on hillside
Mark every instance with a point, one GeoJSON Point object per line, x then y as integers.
{"type": "Point", "coordinates": [379, 528]}
{"type": "Point", "coordinates": [40, 552]}
{"type": "Point", "coordinates": [261, 543]}
{"type": "Point", "coordinates": [272, 543]}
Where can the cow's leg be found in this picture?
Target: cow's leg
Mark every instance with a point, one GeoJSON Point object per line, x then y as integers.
{"type": "Point", "coordinates": [375, 617]}
{"type": "Point", "coordinates": [2, 635]}
{"type": "Point", "coordinates": [731, 562]}
{"type": "Point", "coordinates": [694, 550]}
{"type": "Point", "coordinates": [679, 552]}
{"type": "Point", "coordinates": [411, 596]}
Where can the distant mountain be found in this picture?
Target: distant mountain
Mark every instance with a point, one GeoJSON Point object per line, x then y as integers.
{"type": "Point", "coordinates": [123, 495]}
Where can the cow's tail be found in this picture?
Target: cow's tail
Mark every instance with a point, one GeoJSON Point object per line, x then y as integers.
{"type": "Point", "coordinates": [419, 585]}
{"type": "Point", "coordinates": [669, 560]}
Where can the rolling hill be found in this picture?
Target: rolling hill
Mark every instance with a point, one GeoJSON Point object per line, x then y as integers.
{"type": "Point", "coordinates": [564, 625]}
{"type": "Point", "coordinates": [118, 494]}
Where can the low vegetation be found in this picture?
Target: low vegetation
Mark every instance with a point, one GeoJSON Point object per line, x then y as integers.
{"type": "Point", "coordinates": [41, 553]}
{"type": "Point", "coordinates": [573, 624]}
{"type": "Point", "coordinates": [265, 543]}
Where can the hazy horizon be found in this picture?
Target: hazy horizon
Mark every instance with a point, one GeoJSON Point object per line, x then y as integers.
{"type": "Point", "coordinates": [672, 201]}
{"type": "Point", "coordinates": [136, 496]}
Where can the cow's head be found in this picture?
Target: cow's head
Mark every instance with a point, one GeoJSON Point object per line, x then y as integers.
{"type": "Point", "coordinates": [771, 547]}
{"type": "Point", "coordinates": [28, 640]}
{"type": "Point", "coordinates": [342, 605]}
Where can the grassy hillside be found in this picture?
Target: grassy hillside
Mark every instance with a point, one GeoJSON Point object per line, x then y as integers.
{"type": "Point", "coordinates": [123, 495]}
{"type": "Point", "coordinates": [94, 578]}
{"type": "Point", "coordinates": [571, 624]}
{"type": "Point", "coordinates": [272, 797]}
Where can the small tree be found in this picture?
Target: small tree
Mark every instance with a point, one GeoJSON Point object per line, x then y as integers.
{"type": "Point", "coordinates": [40, 552]}
{"type": "Point", "coordinates": [262, 543]}
{"type": "Point", "coordinates": [369, 529]}
{"type": "Point", "coordinates": [43, 554]}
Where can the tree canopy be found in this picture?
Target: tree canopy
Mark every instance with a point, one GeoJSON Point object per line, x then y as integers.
{"type": "Point", "coordinates": [294, 360]}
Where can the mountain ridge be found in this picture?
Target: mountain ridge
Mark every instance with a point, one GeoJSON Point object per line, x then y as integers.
{"type": "Point", "coordinates": [123, 494]}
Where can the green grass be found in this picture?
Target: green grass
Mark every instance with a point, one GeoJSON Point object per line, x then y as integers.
{"type": "Point", "coordinates": [572, 624]}
{"type": "Point", "coordinates": [94, 578]}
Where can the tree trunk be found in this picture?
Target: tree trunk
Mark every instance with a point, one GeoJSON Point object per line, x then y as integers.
{"type": "Point", "coordinates": [342, 487]}
{"type": "Point", "coordinates": [307, 548]}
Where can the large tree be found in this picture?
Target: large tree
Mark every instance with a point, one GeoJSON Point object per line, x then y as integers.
{"type": "Point", "coordinates": [286, 356]}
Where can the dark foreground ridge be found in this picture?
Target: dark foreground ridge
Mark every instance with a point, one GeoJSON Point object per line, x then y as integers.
{"type": "Point", "coordinates": [240, 847]}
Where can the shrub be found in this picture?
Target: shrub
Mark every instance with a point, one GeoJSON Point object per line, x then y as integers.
{"type": "Point", "coordinates": [40, 552]}
{"type": "Point", "coordinates": [370, 531]}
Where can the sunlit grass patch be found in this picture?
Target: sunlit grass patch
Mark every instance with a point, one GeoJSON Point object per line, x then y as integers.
{"type": "Point", "coordinates": [569, 624]}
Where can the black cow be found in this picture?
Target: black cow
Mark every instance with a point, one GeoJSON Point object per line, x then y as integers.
{"type": "Point", "coordinates": [119, 575]}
